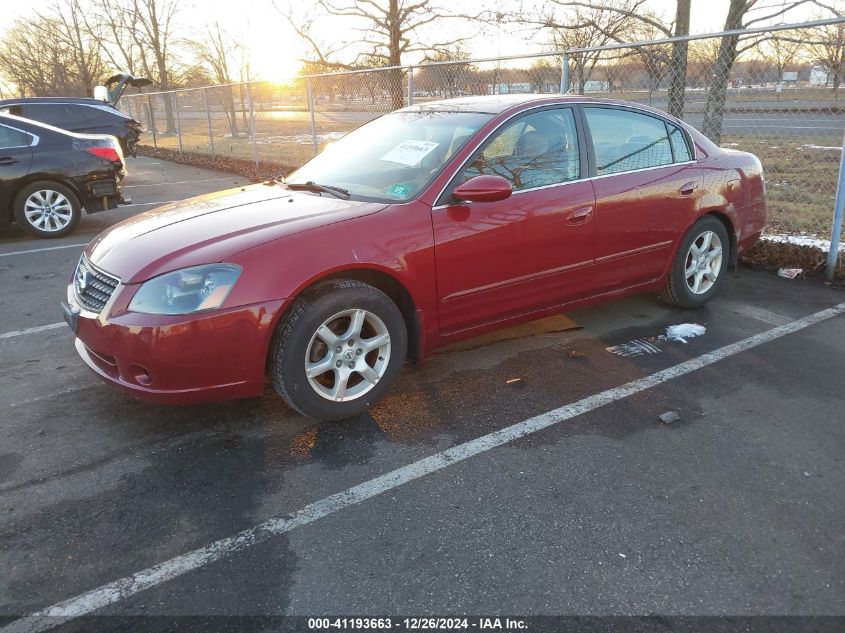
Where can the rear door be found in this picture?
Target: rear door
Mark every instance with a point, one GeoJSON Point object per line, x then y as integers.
{"type": "Point", "coordinates": [647, 187]}
{"type": "Point", "coordinates": [15, 160]}
{"type": "Point", "coordinates": [530, 251]}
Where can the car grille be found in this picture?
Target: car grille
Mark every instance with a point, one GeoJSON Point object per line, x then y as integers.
{"type": "Point", "coordinates": [93, 287]}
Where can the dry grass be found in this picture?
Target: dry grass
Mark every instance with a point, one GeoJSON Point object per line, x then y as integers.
{"type": "Point", "coordinates": [801, 176]}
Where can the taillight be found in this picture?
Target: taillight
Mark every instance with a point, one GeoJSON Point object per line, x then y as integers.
{"type": "Point", "coordinates": [108, 153]}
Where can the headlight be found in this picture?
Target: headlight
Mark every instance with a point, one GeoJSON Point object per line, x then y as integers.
{"type": "Point", "coordinates": [186, 290]}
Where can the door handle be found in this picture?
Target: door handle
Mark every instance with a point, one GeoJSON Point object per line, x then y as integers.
{"type": "Point", "coordinates": [7, 160]}
{"type": "Point", "coordinates": [579, 216]}
{"type": "Point", "coordinates": [688, 188]}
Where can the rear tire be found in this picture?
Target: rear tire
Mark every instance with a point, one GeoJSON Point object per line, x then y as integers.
{"type": "Point", "coordinates": [47, 209]}
{"type": "Point", "coordinates": [338, 350]}
{"type": "Point", "coordinates": [699, 265]}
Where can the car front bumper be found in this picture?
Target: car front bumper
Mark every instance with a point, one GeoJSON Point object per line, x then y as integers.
{"type": "Point", "coordinates": [189, 359]}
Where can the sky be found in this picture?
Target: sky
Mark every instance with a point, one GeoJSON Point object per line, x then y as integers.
{"type": "Point", "coordinates": [276, 48]}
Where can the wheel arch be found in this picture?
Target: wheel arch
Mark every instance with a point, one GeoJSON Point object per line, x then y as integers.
{"type": "Point", "coordinates": [381, 279]}
{"type": "Point", "coordinates": [728, 223]}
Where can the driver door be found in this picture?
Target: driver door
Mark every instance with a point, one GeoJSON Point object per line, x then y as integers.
{"type": "Point", "coordinates": [530, 251]}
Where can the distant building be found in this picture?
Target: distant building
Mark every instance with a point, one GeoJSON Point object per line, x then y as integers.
{"type": "Point", "coordinates": [819, 76]}
{"type": "Point", "coordinates": [596, 86]}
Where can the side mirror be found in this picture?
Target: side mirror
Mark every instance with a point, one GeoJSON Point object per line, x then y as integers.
{"type": "Point", "coordinates": [483, 189]}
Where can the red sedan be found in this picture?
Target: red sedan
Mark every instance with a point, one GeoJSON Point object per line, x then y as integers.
{"type": "Point", "coordinates": [428, 225]}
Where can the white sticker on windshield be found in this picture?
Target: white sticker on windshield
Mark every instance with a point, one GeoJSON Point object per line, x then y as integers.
{"type": "Point", "coordinates": [410, 153]}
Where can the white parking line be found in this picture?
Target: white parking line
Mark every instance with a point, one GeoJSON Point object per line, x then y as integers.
{"type": "Point", "coordinates": [41, 250]}
{"type": "Point", "coordinates": [127, 586]}
{"type": "Point", "coordinates": [146, 204]}
{"type": "Point", "coordinates": [180, 182]}
{"type": "Point", "coordinates": [32, 330]}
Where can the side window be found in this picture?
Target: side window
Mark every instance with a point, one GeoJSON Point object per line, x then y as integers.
{"type": "Point", "coordinates": [58, 114]}
{"type": "Point", "coordinates": [12, 138]}
{"type": "Point", "coordinates": [534, 151]}
{"type": "Point", "coordinates": [624, 140]}
{"type": "Point", "coordinates": [679, 144]}
{"type": "Point", "coordinates": [89, 114]}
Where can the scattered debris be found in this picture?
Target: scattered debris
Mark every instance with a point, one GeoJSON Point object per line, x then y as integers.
{"type": "Point", "coordinates": [790, 273]}
{"type": "Point", "coordinates": [622, 555]}
{"type": "Point", "coordinates": [516, 383]}
{"type": "Point", "coordinates": [806, 474]}
{"type": "Point", "coordinates": [576, 354]}
{"type": "Point", "coordinates": [669, 417]}
{"type": "Point", "coordinates": [682, 332]}
{"type": "Point", "coordinates": [637, 347]}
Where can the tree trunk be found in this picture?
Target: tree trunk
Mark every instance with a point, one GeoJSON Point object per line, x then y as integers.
{"type": "Point", "coordinates": [394, 78]}
{"type": "Point", "coordinates": [678, 69]}
{"type": "Point", "coordinates": [231, 115]}
{"type": "Point", "coordinates": [714, 109]}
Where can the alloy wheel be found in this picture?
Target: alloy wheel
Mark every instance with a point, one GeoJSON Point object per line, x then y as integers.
{"type": "Point", "coordinates": [347, 355]}
{"type": "Point", "coordinates": [48, 210]}
{"type": "Point", "coordinates": [703, 262]}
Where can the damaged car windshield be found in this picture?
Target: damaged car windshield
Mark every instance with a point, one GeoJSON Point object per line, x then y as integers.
{"type": "Point", "coordinates": [394, 157]}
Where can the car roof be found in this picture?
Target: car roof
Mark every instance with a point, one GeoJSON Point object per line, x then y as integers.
{"type": "Point", "coordinates": [73, 100]}
{"type": "Point", "coordinates": [496, 104]}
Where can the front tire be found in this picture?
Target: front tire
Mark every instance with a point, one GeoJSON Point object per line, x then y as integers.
{"type": "Point", "coordinates": [699, 265]}
{"type": "Point", "coordinates": [338, 350]}
{"type": "Point", "coordinates": [47, 209]}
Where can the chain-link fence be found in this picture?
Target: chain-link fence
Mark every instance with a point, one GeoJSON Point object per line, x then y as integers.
{"type": "Point", "coordinates": [774, 92]}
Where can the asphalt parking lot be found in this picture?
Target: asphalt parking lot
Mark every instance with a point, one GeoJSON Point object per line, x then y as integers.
{"type": "Point", "coordinates": [599, 508]}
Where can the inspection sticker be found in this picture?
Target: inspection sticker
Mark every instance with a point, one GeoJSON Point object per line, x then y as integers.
{"type": "Point", "coordinates": [410, 152]}
{"type": "Point", "coordinates": [399, 189]}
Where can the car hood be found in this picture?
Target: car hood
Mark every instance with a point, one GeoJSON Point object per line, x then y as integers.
{"type": "Point", "coordinates": [212, 227]}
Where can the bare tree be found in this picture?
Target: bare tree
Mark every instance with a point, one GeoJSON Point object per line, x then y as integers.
{"type": "Point", "coordinates": [63, 23]}
{"type": "Point", "coordinates": [51, 54]}
{"type": "Point", "coordinates": [139, 36]}
{"type": "Point", "coordinates": [702, 58]}
{"type": "Point", "coordinates": [577, 25]}
{"type": "Point", "coordinates": [445, 79]}
{"type": "Point", "coordinates": [385, 32]}
{"type": "Point", "coordinates": [220, 53]}
{"type": "Point", "coordinates": [782, 51]}
{"type": "Point", "coordinates": [827, 47]}
{"type": "Point", "coordinates": [741, 15]}
{"type": "Point", "coordinates": [678, 65]}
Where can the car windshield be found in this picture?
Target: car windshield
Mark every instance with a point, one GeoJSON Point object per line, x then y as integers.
{"type": "Point", "coordinates": [394, 157]}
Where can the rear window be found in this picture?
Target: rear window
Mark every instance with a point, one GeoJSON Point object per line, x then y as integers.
{"type": "Point", "coordinates": [10, 137]}
{"type": "Point", "coordinates": [58, 114]}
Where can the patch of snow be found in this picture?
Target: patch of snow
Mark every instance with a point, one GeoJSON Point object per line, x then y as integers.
{"type": "Point", "coordinates": [801, 240]}
{"type": "Point", "coordinates": [824, 147]}
{"type": "Point", "coordinates": [298, 139]}
{"type": "Point", "coordinates": [684, 331]}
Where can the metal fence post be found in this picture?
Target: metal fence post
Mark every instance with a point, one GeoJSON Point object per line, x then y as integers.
{"type": "Point", "coordinates": [836, 231]}
{"type": "Point", "coordinates": [252, 124]}
{"type": "Point", "coordinates": [410, 85]}
{"type": "Point", "coordinates": [208, 122]}
{"type": "Point", "coordinates": [311, 111]}
{"type": "Point", "coordinates": [152, 120]}
{"type": "Point", "coordinates": [564, 74]}
{"type": "Point", "coordinates": [178, 123]}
